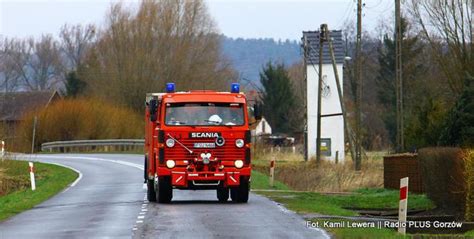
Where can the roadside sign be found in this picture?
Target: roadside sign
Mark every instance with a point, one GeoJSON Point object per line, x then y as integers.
{"type": "Point", "coordinates": [402, 209]}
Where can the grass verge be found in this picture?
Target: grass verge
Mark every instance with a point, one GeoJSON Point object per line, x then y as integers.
{"type": "Point", "coordinates": [261, 181]}
{"type": "Point", "coordinates": [50, 180]}
{"type": "Point", "coordinates": [311, 202]}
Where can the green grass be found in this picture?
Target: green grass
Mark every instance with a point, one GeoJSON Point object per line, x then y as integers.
{"type": "Point", "coordinates": [261, 181]}
{"type": "Point", "coordinates": [311, 202]}
{"type": "Point", "coordinates": [50, 180]}
{"type": "Point", "coordinates": [470, 234]}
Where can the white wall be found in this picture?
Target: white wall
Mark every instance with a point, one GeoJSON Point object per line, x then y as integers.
{"type": "Point", "coordinates": [331, 127]}
{"type": "Point", "coordinates": [263, 127]}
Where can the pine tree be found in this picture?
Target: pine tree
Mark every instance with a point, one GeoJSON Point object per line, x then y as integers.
{"type": "Point", "coordinates": [278, 98]}
{"type": "Point", "coordinates": [74, 85]}
{"type": "Point", "coordinates": [385, 80]}
{"type": "Point", "coordinates": [459, 125]}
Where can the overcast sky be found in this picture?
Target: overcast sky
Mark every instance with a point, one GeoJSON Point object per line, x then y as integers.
{"type": "Point", "coordinates": [279, 19]}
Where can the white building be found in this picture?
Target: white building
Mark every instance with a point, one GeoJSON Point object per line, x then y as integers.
{"type": "Point", "coordinates": [332, 127]}
{"type": "Point", "coordinates": [263, 128]}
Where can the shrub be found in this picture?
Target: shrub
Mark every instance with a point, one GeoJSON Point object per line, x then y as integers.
{"type": "Point", "coordinates": [74, 119]}
{"type": "Point", "coordinates": [443, 177]}
{"type": "Point", "coordinates": [469, 176]}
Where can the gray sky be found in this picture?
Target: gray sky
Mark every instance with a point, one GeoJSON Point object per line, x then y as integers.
{"type": "Point", "coordinates": [279, 19]}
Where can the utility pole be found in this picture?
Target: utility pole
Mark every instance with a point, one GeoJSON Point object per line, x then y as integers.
{"type": "Point", "coordinates": [35, 120]}
{"type": "Point", "coordinates": [358, 75]}
{"type": "Point", "coordinates": [400, 145]}
{"type": "Point", "coordinates": [339, 92]}
{"type": "Point", "coordinates": [322, 37]}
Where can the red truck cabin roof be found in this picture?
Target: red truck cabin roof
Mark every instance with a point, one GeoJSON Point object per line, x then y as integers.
{"type": "Point", "coordinates": [204, 96]}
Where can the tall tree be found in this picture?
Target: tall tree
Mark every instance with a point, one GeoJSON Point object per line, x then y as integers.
{"type": "Point", "coordinates": [76, 41]}
{"type": "Point", "coordinates": [278, 98]}
{"type": "Point", "coordinates": [412, 69]}
{"type": "Point", "coordinates": [37, 62]}
{"type": "Point", "coordinates": [459, 125]}
{"type": "Point", "coordinates": [164, 40]}
{"type": "Point", "coordinates": [9, 75]}
{"type": "Point", "coordinates": [296, 73]}
{"type": "Point", "coordinates": [447, 26]}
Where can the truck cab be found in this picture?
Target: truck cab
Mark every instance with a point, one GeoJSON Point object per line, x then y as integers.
{"type": "Point", "coordinates": [198, 140]}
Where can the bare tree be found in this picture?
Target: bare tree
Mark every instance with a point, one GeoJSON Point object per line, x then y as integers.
{"type": "Point", "coordinates": [448, 28]}
{"type": "Point", "coordinates": [76, 40]}
{"type": "Point", "coordinates": [37, 63]}
{"type": "Point", "coordinates": [9, 76]}
{"type": "Point", "coordinates": [165, 40]}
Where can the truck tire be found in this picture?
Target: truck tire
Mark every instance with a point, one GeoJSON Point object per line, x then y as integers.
{"type": "Point", "coordinates": [240, 194]}
{"type": "Point", "coordinates": [222, 194]}
{"type": "Point", "coordinates": [164, 190]}
{"type": "Point", "coordinates": [150, 187]}
{"type": "Point", "coordinates": [150, 193]}
{"type": "Point", "coordinates": [145, 169]}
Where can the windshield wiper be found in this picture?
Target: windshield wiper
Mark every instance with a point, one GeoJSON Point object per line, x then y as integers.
{"type": "Point", "coordinates": [182, 145]}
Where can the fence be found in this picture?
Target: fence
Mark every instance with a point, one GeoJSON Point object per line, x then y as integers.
{"type": "Point", "coordinates": [101, 145]}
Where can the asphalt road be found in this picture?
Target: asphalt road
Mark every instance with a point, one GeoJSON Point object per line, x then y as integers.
{"type": "Point", "coordinates": [108, 202]}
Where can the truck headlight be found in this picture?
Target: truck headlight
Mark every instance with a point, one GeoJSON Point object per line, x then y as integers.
{"type": "Point", "coordinates": [170, 163]}
{"type": "Point", "coordinates": [239, 143]}
{"type": "Point", "coordinates": [170, 143]}
{"type": "Point", "coordinates": [239, 163]}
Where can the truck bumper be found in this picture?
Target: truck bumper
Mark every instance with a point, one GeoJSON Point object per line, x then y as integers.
{"type": "Point", "coordinates": [183, 179]}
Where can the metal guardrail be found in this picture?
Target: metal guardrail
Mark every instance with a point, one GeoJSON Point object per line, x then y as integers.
{"type": "Point", "coordinates": [94, 145]}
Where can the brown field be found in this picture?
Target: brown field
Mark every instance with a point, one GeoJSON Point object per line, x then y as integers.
{"type": "Point", "coordinates": [325, 176]}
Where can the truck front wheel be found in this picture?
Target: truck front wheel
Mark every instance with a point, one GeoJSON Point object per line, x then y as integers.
{"type": "Point", "coordinates": [240, 194]}
{"type": "Point", "coordinates": [222, 194]}
{"type": "Point", "coordinates": [164, 190]}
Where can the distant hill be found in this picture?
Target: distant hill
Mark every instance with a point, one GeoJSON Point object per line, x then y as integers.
{"type": "Point", "coordinates": [249, 55]}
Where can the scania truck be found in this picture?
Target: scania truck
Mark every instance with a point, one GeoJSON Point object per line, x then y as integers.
{"type": "Point", "coordinates": [198, 140]}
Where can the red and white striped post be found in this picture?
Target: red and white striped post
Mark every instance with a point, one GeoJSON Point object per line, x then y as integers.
{"type": "Point", "coordinates": [32, 176]}
{"type": "Point", "coordinates": [402, 208]}
{"type": "Point", "coordinates": [2, 153]}
{"type": "Point", "coordinates": [272, 171]}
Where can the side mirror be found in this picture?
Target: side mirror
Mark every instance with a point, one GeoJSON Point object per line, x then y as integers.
{"type": "Point", "coordinates": [152, 107]}
{"type": "Point", "coordinates": [257, 111]}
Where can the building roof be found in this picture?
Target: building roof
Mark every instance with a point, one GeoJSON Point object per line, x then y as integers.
{"type": "Point", "coordinates": [312, 38]}
{"type": "Point", "coordinates": [14, 105]}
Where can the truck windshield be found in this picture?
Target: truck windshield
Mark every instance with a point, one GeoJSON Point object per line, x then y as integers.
{"type": "Point", "coordinates": [204, 114]}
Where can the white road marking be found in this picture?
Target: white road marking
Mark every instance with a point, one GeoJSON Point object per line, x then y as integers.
{"type": "Point", "coordinates": [73, 169]}
{"type": "Point", "coordinates": [138, 166]}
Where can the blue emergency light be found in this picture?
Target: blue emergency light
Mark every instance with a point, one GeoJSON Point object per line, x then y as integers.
{"type": "Point", "coordinates": [170, 87]}
{"type": "Point", "coordinates": [235, 88]}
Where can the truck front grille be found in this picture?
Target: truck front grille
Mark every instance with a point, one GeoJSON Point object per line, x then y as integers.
{"type": "Point", "coordinates": [226, 152]}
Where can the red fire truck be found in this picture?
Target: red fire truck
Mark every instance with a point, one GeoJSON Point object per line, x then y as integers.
{"type": "Point", "coordinates": [198, 140]}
